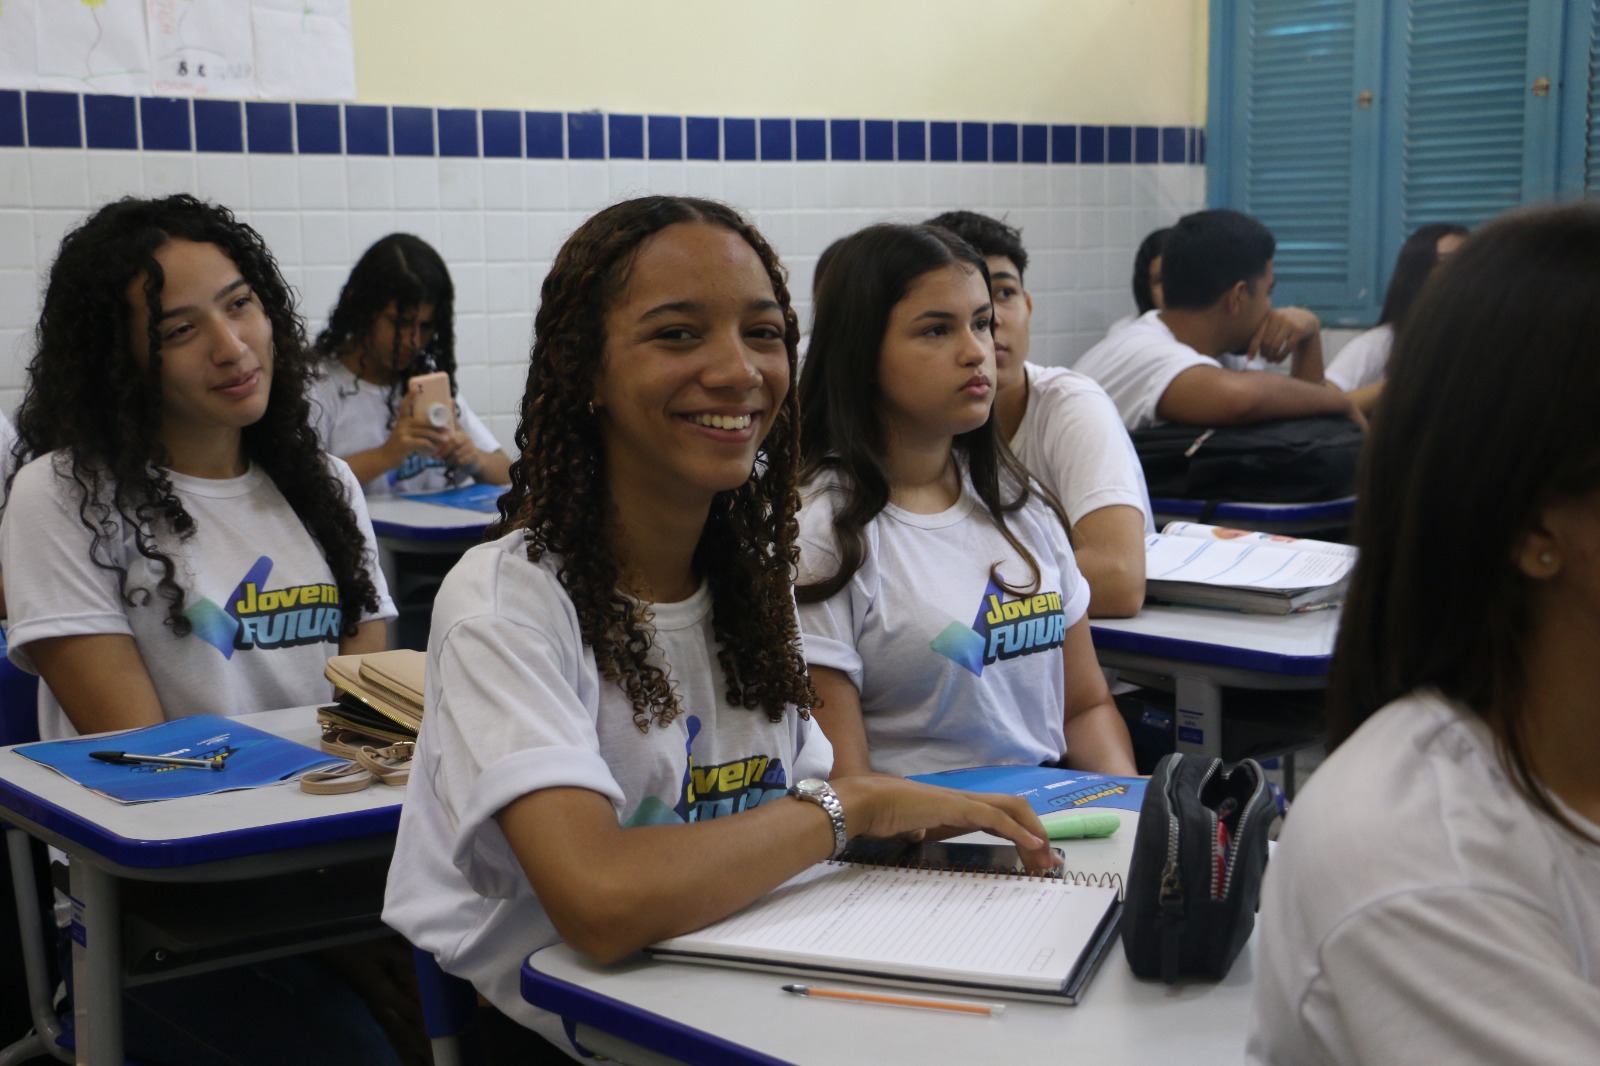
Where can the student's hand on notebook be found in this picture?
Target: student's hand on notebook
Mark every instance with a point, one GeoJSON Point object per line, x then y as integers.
{"type": "Point", "coordinates": [1283, 330]}
{"type": "Point", "coordinates": [879, 806]}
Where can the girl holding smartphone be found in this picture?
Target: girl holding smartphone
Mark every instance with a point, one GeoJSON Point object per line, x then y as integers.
{"type": "Point", "coordinates": [395, 323]}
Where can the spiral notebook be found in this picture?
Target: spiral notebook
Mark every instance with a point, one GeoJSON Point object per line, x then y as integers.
{"type": "Point", "coordinates": [992, 932]}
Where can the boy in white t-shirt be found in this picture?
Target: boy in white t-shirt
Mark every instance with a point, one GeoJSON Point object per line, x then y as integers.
{"type": "Point", "coordinates": [1065, 430]}
{"type": "Point", "coordinates": [1169, 365]}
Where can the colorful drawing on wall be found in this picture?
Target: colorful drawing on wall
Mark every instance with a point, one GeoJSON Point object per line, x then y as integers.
{"type": "Point", "coordinates": [96, 45]}
{"type": "Point", "coordinates": [278, 49]}
{"type": "Point", "coordinates": [200, 48]}
{"type": "Point", "coordinates": [304, 49]}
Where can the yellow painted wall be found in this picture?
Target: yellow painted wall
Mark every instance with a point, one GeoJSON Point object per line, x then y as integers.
{"type": "Point", "coordinates": [1094, 61]}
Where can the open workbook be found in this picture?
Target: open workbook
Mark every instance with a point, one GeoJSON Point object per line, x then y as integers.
{"type": "Point", "coordinates": [1211, 566]}
{"type": "Point", "coordinates": [992, 933]}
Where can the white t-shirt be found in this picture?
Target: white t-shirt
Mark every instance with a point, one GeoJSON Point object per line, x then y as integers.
{"type": "Point", "coordinates": [259, 594]}
{"type": "Point", "coordinates": [514, 705]}
{"type": "Point", "coordinates": [1136, 362]}
{"type": "Point", "coordinates": [952, 670]}
{"type": "Point", "coordinates": [1419, 910]}
{"type": "Point", "coordinates": [351, 415]}
{"type": "Point", "coordinates": [1071, 439]}
{"type": "Point", "coordinates": [1362, 361]}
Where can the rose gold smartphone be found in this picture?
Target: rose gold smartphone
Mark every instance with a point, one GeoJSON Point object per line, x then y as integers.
{"type": "Point", "coordinates": [428, 397]}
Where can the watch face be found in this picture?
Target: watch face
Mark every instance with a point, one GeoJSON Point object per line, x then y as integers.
{"type": "Point", "coordinates": [811, 785]}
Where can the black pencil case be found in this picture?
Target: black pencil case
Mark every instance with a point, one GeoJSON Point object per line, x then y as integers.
{"type": "Point", "coordinates": [1198, 858]}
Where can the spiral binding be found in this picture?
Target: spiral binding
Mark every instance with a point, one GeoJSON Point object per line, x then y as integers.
{"type": "Point", "coordinates": [1081, 878]}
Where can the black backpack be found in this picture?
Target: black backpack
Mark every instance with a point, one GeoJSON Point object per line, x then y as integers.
{"type": "Point", "coordinates": [1287, 460]}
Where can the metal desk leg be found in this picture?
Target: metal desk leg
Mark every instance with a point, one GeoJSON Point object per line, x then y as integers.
{"type": "Point", "coordinates": [96, 964]}
{"type": "Point", "coordinates": [1199, 717]}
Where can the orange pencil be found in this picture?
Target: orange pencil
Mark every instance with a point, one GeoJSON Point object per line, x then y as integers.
{"type": "Point", "coordinates": [987, 1009]}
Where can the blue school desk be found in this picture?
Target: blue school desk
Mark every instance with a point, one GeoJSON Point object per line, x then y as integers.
{"type": "Point", "coordinates": [229, 836]}
{"type": "Point", "coordinates": [409, 526]}
{"type": "Point", "coordinates": [1288, 518]}
{"type": "Point", "coordinates": [1202, 650]}
{"type": "Point", "coordinates": [643, 1011]}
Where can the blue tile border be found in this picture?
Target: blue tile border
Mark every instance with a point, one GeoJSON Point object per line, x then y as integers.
{"type": "Point", "coordinates": [586, 136]}
{"type": "Point", "coordinates": [48, 119]}
{"type": "Point", "coordinates": [366, 131]}
{"type": "Point", "coordinates": [626, 134]}
{"type": "Point", "coordinates": [666, 136]}
{"type": "Point", "coordinates": [739, 139]}
{"type": "Point", "coordinates": [110, 122]}
{"type": "Point", "coordinates": [703, 137]}
{"type": "Point", "coordinates": [810, 139]}
{"type": "Point", "coordinates": [53, 120]}
{"type": "Point", "coordinates": [458, 133]}
{"type": "Point", "coordinates": [316, 128]}
{"type": "Point", "coordinates": [413, 130]}
{"type": "Point", "coordinates": [269, 127]}
{"type": "Point", "coordinates": [777, 136]}
{"type": "Point", "coordinates": [545, 135]}
{"type": "Point", "coordinates": [844, 139]}
{"type": "Point", "coordinates": [218, 125]}
{"type": "Point", "coordinates": [164, 124]}
{"type": "Point", "coordinates": [12, 134]}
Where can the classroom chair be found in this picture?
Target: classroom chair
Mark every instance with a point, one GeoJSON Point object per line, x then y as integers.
{"type": "Point", "coordinates": [19, 724]}
{"type": "Point", "coordinates": [448, 1007]}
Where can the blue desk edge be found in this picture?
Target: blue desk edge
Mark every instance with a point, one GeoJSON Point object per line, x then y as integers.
{"type": "Point", "coordinates": [1213, 654]}
{"type": "Point", "coordinates": [192, 851]}
{"type": "Point", "coordinates": [633, 1023]}
{"type": "Point", "coordinates": [402, 531]}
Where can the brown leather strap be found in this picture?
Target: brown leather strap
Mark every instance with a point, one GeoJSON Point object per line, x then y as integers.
{"type": "Point", "coordinates": [391, 765]}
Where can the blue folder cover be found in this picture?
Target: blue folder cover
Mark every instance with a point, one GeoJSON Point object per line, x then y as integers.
{"type": "Point", "coordinates": [1047, 789]}
{"type": "Point", "coordinates": [481, 497]}
{"type": "Point", "coordinates": [253, 758]}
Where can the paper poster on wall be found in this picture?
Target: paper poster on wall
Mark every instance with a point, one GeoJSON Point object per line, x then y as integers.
{"type": "Point", "coordinates": [201, 48]}
{"type": "Point", "coordinates": [91, 46]}
{"type": "Point", "coordinates": [304, 49]}
{"type": "Point", "coordinates": [279, 49]}
{"type": "Point", "coordinates": [18, 69]}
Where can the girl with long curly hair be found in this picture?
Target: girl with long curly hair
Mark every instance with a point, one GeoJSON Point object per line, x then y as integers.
{"type": "Point", "coordinates": [395, 319]}
{"type": "Point", "coordinates": [945, 620]}
{"type": "Point", "coordinates": [179, 543]}
{"type": "Point", "coordinates": [616, 696]}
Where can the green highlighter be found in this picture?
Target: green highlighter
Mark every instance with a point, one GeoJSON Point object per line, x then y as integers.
{"type": "Point", "coordinates": [1078, 825]}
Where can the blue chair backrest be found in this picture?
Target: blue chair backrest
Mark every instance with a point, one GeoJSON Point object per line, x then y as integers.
{"type": "Point", "coordinates": [448, 1002]}
{"type": "Point", "coordinates": [19, 703]}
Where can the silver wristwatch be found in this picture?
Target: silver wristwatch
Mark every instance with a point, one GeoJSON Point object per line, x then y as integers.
{"type": "Point", "coordinates": [822, 794]}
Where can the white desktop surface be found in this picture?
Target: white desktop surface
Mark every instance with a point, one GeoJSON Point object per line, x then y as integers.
{"type": "Point", "coordinates": [168, 821]}
{"type": "Point", "coordinates": [1120, 1019]}
{"type": "Point", "coordinates": [1308, 635]}
{"type": "Point", "coordinates": [404, 517]}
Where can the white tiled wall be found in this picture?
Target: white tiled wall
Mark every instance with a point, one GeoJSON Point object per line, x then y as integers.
{"type": "Point", "coordinates": [498, 223]}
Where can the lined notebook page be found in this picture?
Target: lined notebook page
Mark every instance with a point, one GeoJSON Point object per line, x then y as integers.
{"type": "Point", "coordinates": [1021, 931]}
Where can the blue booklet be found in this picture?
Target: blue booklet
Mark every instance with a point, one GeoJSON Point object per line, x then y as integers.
{"type": "Point", "coordinates": [251, 758]}
{"type": "Point", "coordinates": [1047, 789]}
{"type": "Point", "coordinates": [482, 497]}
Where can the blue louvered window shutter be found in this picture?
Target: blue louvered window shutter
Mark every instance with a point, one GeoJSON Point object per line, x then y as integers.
{"type": "Point", "coordinates": [1301, 143]}
{"type": "Point", "coordinates": [1473, 130]}
{"type": "Point", "coordinates": [1346, 124]}
{"type": "Point", "coordinates": [1591, 123]}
